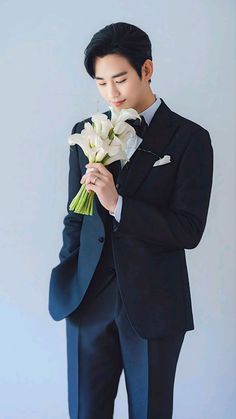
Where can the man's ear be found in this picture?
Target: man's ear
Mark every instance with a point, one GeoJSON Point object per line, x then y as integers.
{"type": "Point", "coordinates": [147, 69]}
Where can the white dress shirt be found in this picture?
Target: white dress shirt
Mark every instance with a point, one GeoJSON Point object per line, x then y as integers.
{"type": "Point", "coordinates": [132, 144]}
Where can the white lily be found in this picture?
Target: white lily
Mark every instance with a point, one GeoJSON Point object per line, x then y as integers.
{"type": "Point", "coordinates": [122, 115]}
{"type": "Point", "coordinates": [104, 140]}
{"type": "Point", "coordinates": [102, 125]}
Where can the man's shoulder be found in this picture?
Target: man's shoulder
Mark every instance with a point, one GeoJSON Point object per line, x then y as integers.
{"type": "Point", "coordinates": [187, 130]}
{"type": "Point", "coordinates": [186, 123]}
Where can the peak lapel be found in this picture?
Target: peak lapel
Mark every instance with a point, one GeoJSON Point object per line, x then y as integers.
{"type": "Point", "coordinates": [156, 139]}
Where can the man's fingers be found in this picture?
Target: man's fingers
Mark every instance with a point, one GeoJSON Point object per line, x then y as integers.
{"type": "Point", "coordinates": [99, 166]}
{"type": "Point", "coordinates": [92, 169]}
{"type": "Point", "coordinates": [90, 177]}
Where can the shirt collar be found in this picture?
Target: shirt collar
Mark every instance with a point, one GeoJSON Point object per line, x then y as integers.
{"type": "Point", "coordinates": [149, 112]}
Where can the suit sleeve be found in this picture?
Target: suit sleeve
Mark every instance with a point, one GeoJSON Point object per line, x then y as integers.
{"type": "Point", "coordinates": [182, 223]}
{"type": "Point", "coordinates": [72, 221]}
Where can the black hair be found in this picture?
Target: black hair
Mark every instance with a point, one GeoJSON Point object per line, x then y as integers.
{"type": "Point", "coordinates": [120, 38]}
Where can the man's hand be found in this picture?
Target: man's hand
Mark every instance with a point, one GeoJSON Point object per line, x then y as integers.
{"type": "Point", "coordinates": [104, 186]}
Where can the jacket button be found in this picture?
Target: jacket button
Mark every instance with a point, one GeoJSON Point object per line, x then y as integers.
{"type": "Point", "coordinates": [117, 185]}
{"type": "Point", "coordinates": [101, 239]}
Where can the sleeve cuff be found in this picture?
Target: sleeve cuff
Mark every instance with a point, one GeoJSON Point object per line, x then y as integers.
{"type": "Point", "coordinates": [117, 210]}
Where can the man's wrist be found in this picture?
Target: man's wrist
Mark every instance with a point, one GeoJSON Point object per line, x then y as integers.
{"type": "Point", "coordinates": [117, 210]}
{"type": "Point", "coordinates": [112, 209]}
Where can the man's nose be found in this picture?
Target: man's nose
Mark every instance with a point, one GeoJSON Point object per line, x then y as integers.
{"type": "Point", "coordinates": [113, 91]}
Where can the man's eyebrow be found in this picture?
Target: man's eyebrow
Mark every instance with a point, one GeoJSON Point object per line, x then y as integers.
{"type": "Point", "coordinates": [115, 75]}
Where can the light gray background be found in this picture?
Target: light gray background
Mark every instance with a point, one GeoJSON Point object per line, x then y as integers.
{"type": "Point", "coordinates": [44, 91]}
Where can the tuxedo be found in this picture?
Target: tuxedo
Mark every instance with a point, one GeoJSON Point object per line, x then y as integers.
{"type": "Point", "coordinates": [164, 212]}
{"type": "Point", "coordinates": [123, 286]}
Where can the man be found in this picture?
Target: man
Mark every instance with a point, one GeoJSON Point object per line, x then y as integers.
{"type": "Point", "coordinates": [122, 282]}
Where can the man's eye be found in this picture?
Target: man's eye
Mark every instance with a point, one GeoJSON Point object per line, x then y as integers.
{"type": "Point", "coordinates": [122, 81]}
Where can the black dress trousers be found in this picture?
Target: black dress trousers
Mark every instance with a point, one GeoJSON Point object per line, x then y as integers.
{"type": "Point", "coordinates": [101, 342]}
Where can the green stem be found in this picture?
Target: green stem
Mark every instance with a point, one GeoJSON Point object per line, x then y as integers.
{"type": "Point", "coordinates": [82, 203]}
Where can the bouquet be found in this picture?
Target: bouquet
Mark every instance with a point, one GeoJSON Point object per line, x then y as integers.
{"type": "Point", "coordinates": [102, 141]}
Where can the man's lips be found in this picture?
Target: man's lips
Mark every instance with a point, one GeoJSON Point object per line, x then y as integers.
{"type": "Point", "coordinates": [118, 103]}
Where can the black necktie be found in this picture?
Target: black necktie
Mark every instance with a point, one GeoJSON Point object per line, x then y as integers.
{"type": "Point", "coordinates": [139, 126]}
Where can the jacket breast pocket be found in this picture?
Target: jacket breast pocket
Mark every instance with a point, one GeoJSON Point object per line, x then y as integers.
{"type": "Point", "coordinates": [161, 174]}
{"type": "Point", "coordinates": [158, 184]}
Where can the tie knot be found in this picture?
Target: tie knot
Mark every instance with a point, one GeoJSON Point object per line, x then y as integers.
{"type": "Point", "coordinates": [139, 126]}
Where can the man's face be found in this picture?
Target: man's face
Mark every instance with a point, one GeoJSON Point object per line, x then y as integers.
{"type": "Point", "coordinates": [119, 84]}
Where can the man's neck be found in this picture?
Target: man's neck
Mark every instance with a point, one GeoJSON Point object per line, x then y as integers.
{"type": "Point", "coordinates": [148, 102]}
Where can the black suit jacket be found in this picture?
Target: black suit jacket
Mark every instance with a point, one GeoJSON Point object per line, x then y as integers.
{"type": "Point", "coordinates": [164, 212]}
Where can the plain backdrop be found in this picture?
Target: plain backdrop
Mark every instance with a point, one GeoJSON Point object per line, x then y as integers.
{"type": "Point", "coordinates": [45, 90]}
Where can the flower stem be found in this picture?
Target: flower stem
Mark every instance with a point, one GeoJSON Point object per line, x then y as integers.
{"type": "Point", "coordinates": [82, 203]}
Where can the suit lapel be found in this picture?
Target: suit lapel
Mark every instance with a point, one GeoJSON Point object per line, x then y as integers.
{"type": "Point", "coordinates": [156, 139]}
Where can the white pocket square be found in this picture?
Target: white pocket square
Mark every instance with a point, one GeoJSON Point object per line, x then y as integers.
{"type": "Point", "coordinates": [164, 160]}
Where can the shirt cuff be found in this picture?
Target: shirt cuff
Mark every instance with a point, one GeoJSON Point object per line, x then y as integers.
{"type": "Point", "coordinates": [117, 210]}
